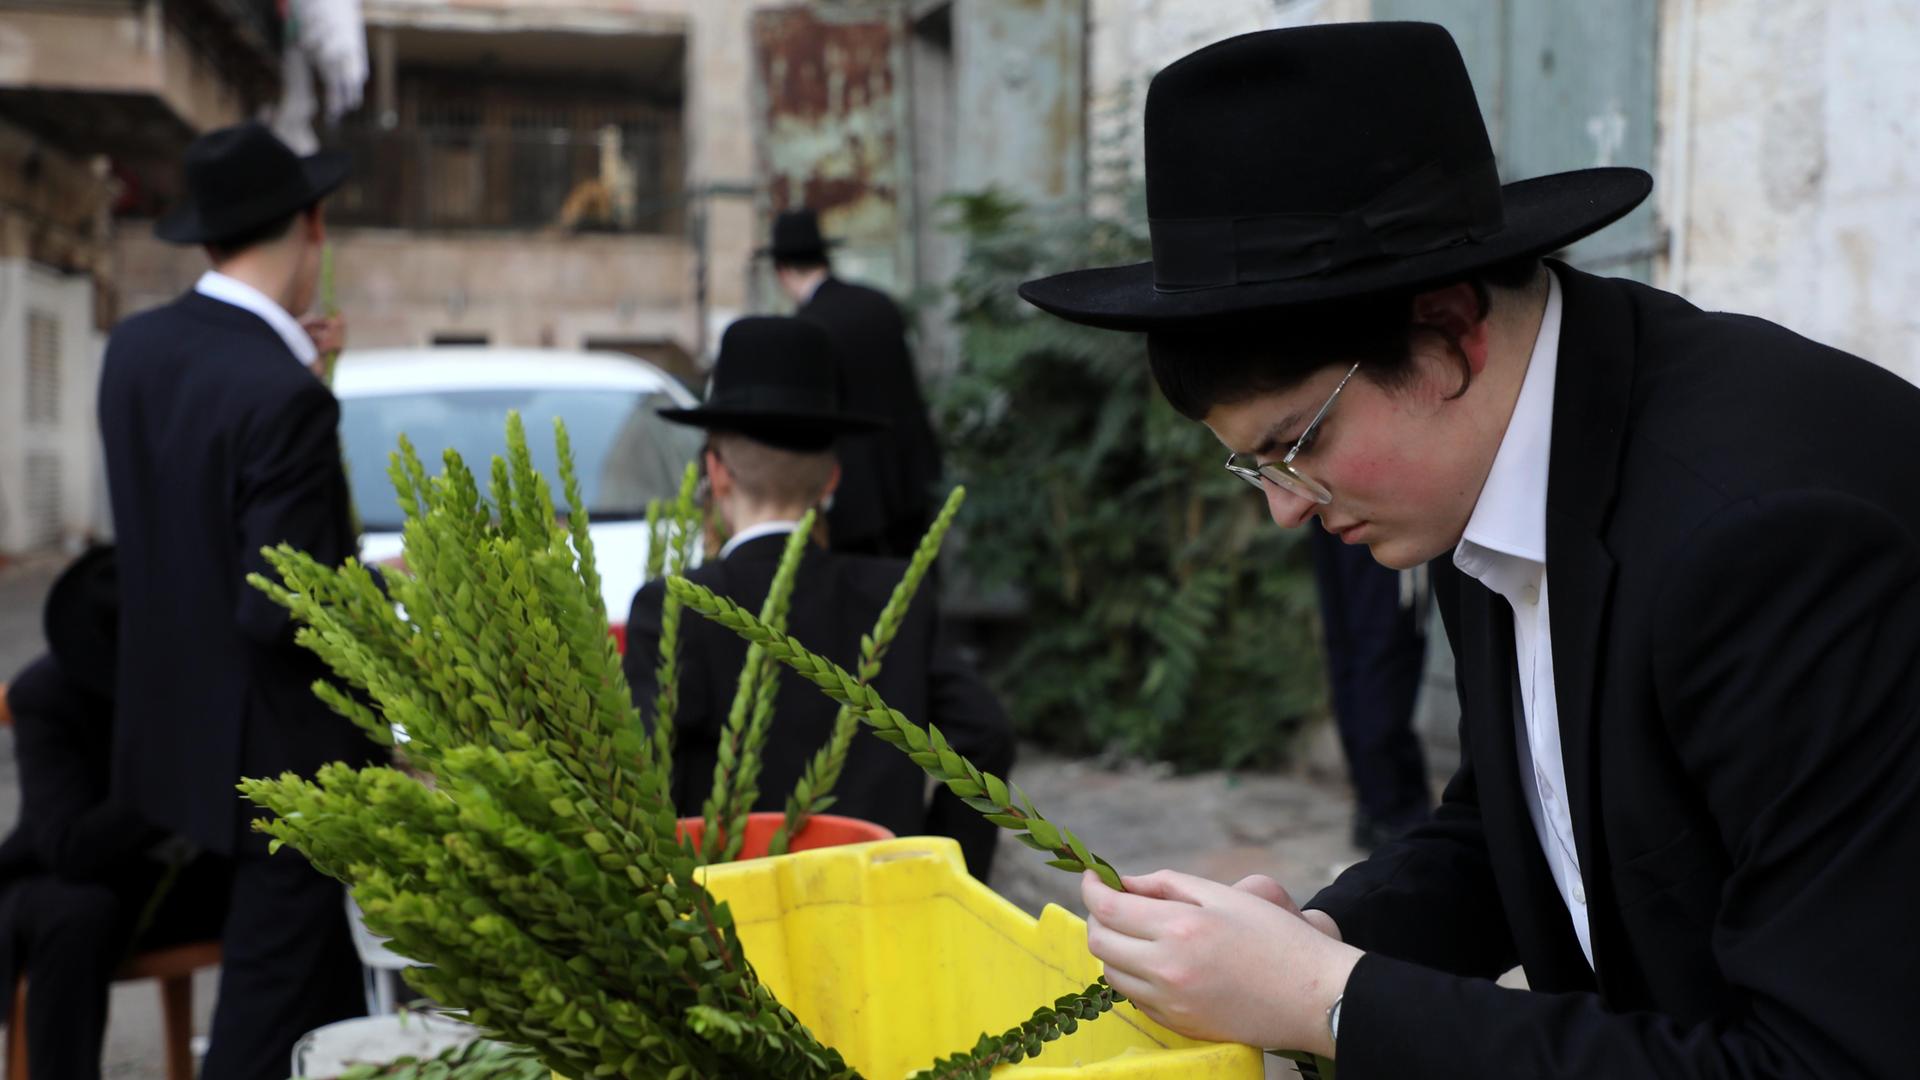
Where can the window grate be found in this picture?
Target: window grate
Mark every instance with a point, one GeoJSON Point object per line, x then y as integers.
{"type": "Point", "coordinates": [43, 368]}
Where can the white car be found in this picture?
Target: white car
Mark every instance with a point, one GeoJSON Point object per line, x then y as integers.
{"type": "Point", "coordinates": [459, 396]}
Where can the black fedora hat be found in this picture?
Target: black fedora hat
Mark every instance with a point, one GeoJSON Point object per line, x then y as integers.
{"type": "Point", "coordinates": [242, 177]}
{"type": "Point", "coordinates": [81, 619]}
{"type": "Point", "coordinates": [1293, 167]}
{"type": "Point", "coordinates": [775, 381]}
{"type": "Point", "coordinates": [796, 235]}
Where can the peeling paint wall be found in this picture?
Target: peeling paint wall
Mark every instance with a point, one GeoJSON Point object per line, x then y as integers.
{"type": "Point", "coordinates": [1022, 92]}
{"type": "Point", "coordinates": [827, 95]}
{"type": "Point", "coordinates": [1795, 125]}
{"type": "Point", "coordinates": [1129, 40]}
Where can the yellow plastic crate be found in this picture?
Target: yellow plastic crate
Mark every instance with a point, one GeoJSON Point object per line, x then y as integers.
{"type": "Point", "coordinates": [893, 956]}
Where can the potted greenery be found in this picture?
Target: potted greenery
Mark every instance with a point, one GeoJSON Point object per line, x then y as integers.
{"type": "Point", "coordinates": [541, 873]}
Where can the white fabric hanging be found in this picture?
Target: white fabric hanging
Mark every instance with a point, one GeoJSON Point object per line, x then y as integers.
{"type": "Point", "coordinates": [328, 39]}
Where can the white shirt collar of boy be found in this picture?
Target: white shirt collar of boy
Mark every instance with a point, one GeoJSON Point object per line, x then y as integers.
{"type": "Point", "coordinates": [229, 290]}
{"type": "Point", "coordinates": [1505, 549]}
{"type": "Point", "coordinates": [755, 532]}
{"type": "Point", "coordinates": [1510, 517]}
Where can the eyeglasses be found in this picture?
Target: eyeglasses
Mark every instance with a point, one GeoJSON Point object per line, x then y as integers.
{"type": "Point", "coordinates": [1282, 473]}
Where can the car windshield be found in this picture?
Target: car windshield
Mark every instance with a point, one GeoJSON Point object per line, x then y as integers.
{"type": "Point", "coordinates": [624, 453]}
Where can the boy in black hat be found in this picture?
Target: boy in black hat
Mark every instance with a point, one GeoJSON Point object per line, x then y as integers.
{"type": "Point", "coordinates": [885, 501]}
{"type": "Point", "coordinates": [220, 441]}
{"type": "Point", "coordinates": [1689, 798]}
{"type": "Point", "coordinates": [772, 418]}
{"type": "Point", "coordinates": [83, 881]}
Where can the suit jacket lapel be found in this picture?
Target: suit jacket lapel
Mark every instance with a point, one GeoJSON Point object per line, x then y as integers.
{"type": "Point", "coordinates": [1591, 400]}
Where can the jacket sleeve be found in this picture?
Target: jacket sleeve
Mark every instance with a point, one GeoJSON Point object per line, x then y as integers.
{"type": "Point", "coordinates": [74, 831]}
{"type": "Point", "coordinates": [694, 721]}
{"type": "Point", "coordinates": [290, 490]}
{"type": "Point", "coordinates": [1784, 661]}
{"type": "Point", "coordinates": [1429, 897]}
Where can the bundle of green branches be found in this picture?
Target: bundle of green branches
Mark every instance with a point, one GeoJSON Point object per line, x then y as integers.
{"type": "Point", "coordinates": [540, 874]}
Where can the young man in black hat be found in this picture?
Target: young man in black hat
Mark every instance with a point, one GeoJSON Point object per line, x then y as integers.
{"type": "Point", "coordinates": [772, 417]}
{"type": "Point", "coordinates": [220, 441]}
{"type": "Point", "coordinates": [83, 881]}
{"type": "Point", "coordinates": [1678, 556]}
{"type": "Point", "coordinates": [888, 477]}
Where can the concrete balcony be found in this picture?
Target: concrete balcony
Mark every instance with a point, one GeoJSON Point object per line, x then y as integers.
{"type": "Point", "coordinates": [135, 78]}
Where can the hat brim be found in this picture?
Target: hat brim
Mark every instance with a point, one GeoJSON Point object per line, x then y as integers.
{"type": "Point", "coordinates": [798, 253]}
{"type": "Point", "coordinates": [746, 421]}
{"type": "Point", "coordinates": [323, 172]}
{"type": "Point", "coordinates": [1542, 215]}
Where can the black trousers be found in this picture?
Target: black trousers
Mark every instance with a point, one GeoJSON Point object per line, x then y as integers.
{"type": "Point", "coordinates": [287, 965]}
{"type": "Point", "coordinates": [69, 938]}
{"type": "Point", "coordinates": [1374, 657]}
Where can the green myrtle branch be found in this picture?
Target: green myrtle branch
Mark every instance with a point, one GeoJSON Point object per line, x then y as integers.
{"type": "Point", "coordinates": [1012, 1046]}
{"type": "Point", "coordinates": [998, 801]}
{"type": "Point", "coordinates": [813, 793]}
{"type": "Point", "coordinates": [736, 768]}
{"type": "Point", "coordinates": [679, 524]}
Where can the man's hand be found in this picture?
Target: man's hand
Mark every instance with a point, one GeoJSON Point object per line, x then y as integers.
{"type": "Point", "coordinates": [1269, 890]}
{"type": "Point", "coordinates": [1224, 964]}
{"type": "Point", "coordinates": [329, 334]}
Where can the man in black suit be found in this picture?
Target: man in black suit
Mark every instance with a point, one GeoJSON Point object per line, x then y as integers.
{"type": "Point", "coordinates": [772, 417]}
{"type": "Point", "coordinates": [1678, 556]}
{"type": "Point", "coordinates": [221, 441]}
{"type": "Point", "coordinates": [83, 881]}
{"type": "Point", "coordinates": [887, 478]}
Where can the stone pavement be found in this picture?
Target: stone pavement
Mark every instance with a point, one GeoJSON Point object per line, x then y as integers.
{"type": "Point", "coordinates": [1142, 818]}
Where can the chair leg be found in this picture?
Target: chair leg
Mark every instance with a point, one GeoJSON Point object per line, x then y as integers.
{"type": "Point", "coordinates": [176, 1011]}
{"type": "Point", "coordinates": [17, 1033]}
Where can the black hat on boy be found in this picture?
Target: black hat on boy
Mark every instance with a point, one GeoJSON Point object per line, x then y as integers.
{"type": "Point", "coordinates": [796, 237]}
{"type": "Point", "coordinates": [243, 177]}
{"type": "Point", "coordinates": [775, 381]}
{"type": "Point", "coordinates": [1300, 166]}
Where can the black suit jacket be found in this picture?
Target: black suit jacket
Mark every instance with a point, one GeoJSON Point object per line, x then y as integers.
{"type": "Point", "coordinates": [836, 599]}
{"type": "Point", "coordinates": [218, 443]}
{"type": "Point", "coordinates": [886, 479]}
{"type": "Point", "coordinates": [1733, 549]}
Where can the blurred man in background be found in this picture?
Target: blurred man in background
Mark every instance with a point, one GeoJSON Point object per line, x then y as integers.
{"type": "Point", "coordinates": [772, 419]}
{"type": "Point", "coordinates": [887, 478]}
{"type": "Point", "coordinates": [220, 441]}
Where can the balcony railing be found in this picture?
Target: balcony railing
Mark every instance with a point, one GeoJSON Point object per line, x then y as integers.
{"type": "Point", "coordinates": [616, 178]}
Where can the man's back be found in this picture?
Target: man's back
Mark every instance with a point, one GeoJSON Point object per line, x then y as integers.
{"type": "Point", "coordinates": [835, 600]}
{"type": "Point", "coordinates": [218, 442]}
{"type": "Point", "coordinates": [887, 478]}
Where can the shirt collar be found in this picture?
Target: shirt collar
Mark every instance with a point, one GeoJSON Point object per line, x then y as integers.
{"type": "Point", "coordinates": [755, 532]}
{"type": "Point", "coordinates": [1510, 517]}
{"type": "Point", "coordinates": [230, 290]}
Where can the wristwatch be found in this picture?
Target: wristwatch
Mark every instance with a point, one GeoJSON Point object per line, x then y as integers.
{"type": "Point", "coordinates": [1333, 1019]}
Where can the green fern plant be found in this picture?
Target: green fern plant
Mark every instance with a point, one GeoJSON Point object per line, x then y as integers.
{"type": "Point", "coordinates": [1110, 515]}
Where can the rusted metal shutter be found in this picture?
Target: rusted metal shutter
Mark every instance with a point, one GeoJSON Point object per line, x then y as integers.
{"type": "Point", "coordinates": [829, 128]}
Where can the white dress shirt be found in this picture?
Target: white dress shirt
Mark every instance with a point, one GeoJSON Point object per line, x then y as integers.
{"type": "Point", "coordinates": [755, 532]}
{"type": "Point", "coordinates": [233, 291]}
{"type": "Point", "coordinates": [1505, 549]}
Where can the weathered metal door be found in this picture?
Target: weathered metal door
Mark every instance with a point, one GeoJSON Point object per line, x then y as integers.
{"type": "Point", "coordinates": [1563, 86]}
{"type": "Point", "coordinates": [829, 129]}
